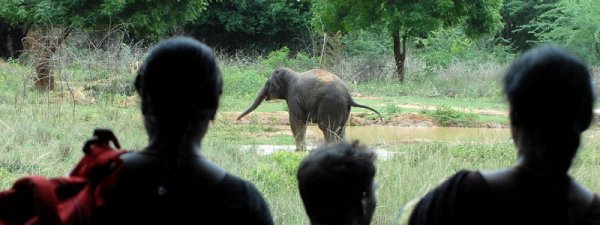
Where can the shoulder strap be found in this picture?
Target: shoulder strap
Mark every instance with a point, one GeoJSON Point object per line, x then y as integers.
{"type": "Point", "coordinates": [98, 154]}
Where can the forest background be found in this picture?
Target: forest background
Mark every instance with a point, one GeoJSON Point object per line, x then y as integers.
{"type": "Point", "coordinates": [68, 67]}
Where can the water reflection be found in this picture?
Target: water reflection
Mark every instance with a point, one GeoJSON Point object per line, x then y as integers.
{"type": "Point", "coordinates": [395, 135]}
{"type": "Point", "coordinates": [390, 135]}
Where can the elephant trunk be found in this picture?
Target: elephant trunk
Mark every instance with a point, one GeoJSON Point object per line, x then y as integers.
{"type": "Point", "coordinates": [259, 99]}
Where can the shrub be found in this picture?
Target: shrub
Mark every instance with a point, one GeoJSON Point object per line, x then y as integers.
{"type": "Point", "coordinates": [447, 116]}
{"type": "Point", "coordinates": [276, 59]}
{"type": "Point", "coordinates": [280, 172]}
{"type": "Point", "coordinates": [391, 109]}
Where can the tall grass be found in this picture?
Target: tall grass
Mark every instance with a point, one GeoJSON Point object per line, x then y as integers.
{"type": "Point", "coordinates": [43, 132]}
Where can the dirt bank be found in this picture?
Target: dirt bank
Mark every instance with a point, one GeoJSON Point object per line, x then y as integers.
{"type": "Point", "coordinates": [356, 119]}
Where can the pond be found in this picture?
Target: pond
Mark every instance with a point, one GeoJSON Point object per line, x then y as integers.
{"type": "Point", "coordinates": [381, 136]}
{"type": "Point", "coordinates": [373, 135]}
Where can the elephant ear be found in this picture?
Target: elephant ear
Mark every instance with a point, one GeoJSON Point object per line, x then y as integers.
{"type": "Point", "coordinates": [279, 83]}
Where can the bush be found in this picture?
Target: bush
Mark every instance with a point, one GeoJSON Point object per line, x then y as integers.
{"type": "Point", "coordinates": [391, 109]}
{"type": "Point", "coordinates": [280, 172]}
{"type": "Point", "coordinates": [276, 59]}
{"type": "Point", "coordinates": [469, 80]}
{"type": "Point", "coordinates": [447, 116]}
{"type": "Point", "coordinates": [242, 81]}
{"type": "Point", "coordinates": [281, 58]}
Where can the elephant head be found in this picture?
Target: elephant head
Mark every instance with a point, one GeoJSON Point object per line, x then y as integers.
{"type": "Point", "coordinates": [276, 87]}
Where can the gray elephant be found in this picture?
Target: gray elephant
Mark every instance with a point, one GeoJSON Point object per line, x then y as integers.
{"type": "Point", "coordinates": [316, 96]}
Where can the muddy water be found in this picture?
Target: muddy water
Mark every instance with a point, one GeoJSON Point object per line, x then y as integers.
{"type": "Point", "coordinates": [392, 135]}
{"type": "Point", "coordinates": [386, 135]}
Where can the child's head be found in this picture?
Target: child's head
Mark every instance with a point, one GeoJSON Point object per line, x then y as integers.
{"type": "Point", "coordinates": [336, 184]}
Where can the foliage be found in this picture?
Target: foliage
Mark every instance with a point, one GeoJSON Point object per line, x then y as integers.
{"type": "Point", "coordinates": [281, 58]}
{"type": "Point", "coordinates": [448, 116]}
{"type": "Point", "coordinates": [366, 43]}
{"type": "Point", "coordinates": [154, 18]}
{"type": "Point", "coordinates": [445, 46]}
{"type": "Point", "coordinates": [476, 79]}
{"type": "Point", "coordinates": [411, 18]}
{"type": "Point", "coordinates": [276, 59]}
{"type": "Point", "coordinates": [279, 172]}
{"type": "Point", "coordinates": [516, 14]}
{"type": "Point", "coordinates": [253, 24]}
{"type": "Point", "coordinates": [56, 19]}
{"type": "Point", "coordinates": [573, 24]}
{"type": "Point", "coordinates": [407, 19]}
{"type": "Point", "coordinates": [242, 81]}
{"type": "Point", "coordinates": [390, 109]}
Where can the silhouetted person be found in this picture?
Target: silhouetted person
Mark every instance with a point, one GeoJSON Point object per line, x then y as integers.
{"type": "Point", "coordinates": [170, 182]}
{"type": "Point", "coordinates": [336, 184]}
{"type": "Point", "coordinates": [551, 98]}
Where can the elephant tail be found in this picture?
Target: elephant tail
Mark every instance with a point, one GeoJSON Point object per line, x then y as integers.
{"type": "Point", "coordinates": [366, 107]}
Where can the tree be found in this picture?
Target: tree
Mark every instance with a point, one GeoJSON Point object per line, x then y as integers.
{"type": "Point", "coordinates": [243, 24]}
{"type": "Point", "coordinates": [573, 24]}
{"type": "Point", "coordinates": [147, 18]}
{"type": "Point", "coordinates": [516, 14]}
{"type": "Point", "coordinates": [404, 19]}
{"type": "Point", "coordinates": [10, 39]}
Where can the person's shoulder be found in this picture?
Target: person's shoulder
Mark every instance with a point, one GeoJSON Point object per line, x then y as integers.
{"type": "Point", "coordinates": [242, 189]}
{"type": "Point", "coordinates": [473, 187]}
{"type": "Point", "coordinates": [463, 178]}
{"type": "Point", "coordinates": [592, 214]}
{"type": "Point", "coordinates": [245, 200]}
{"type": "Point", "coordinates": [587, 205]}
{"type": "Point", "coordinates": [447, 200]}
{"type": "Point", "coordinates": [236, 184]}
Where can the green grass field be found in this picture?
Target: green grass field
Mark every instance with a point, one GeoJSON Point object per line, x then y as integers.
{"type": "Point", "coordinates": [43, 134]}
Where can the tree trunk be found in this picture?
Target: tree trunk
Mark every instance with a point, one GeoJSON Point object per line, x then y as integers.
{"type": "Point", "coordinates": [399, 54]}
{"type": "Point", "coordinates": [4, 52]}
{"type": "Point", "coordinates": [16, 36]}
{"type": "Point", "coordinates": [45, 80]}
{"type": "Point", "coordinates": [11, 44]}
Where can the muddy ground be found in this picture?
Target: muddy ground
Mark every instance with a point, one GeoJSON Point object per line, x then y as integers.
{"type": "Point", "coordinates": [356, 119]}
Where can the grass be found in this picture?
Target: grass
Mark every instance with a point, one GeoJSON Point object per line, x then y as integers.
{"type": "Point", "coordinates": [447, 116]}
{"type": "Point", "coordinates": [43, 134]}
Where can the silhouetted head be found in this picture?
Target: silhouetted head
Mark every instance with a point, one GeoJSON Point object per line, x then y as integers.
{"type": "Point", "coordinates": [551, 99]}
{"type": "Point", "coordinates": [336, 184]}
{"type": "Point", "coordinates": [179, 84]}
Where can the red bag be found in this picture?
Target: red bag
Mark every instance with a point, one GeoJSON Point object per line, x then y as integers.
{"type": "Point", "coordinates": [65, 200]}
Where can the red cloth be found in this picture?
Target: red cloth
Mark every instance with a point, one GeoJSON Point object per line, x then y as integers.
{"type": "Point", "coordinates": [63, 200]}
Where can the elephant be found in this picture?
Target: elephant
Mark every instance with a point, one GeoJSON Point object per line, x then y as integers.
{"type": "Point", "coordinates": [316, 96]}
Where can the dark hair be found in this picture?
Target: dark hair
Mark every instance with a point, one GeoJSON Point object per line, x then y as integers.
{"type": "Point", "coordinates": [333, 178]}
{"type": "Point", "coordinates": [551, 101]}
{"type": "Point", "coordinates": [551, 104]}
{"type": "Point", "coordinates": [179, 81]}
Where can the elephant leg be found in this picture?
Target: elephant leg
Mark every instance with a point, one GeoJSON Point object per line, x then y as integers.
{"type": "Point", "coordinates": [331, 131]}
{"type": "Point", "coordinates": [341, 133]}
{"type": "Point", "coordinates": [333, 121]}
{"type": "Point", "coordinates": [299, 131]}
